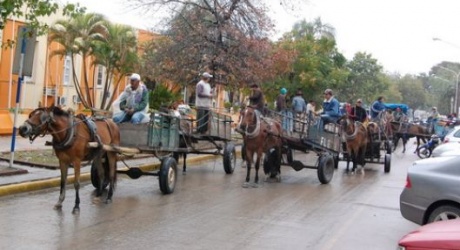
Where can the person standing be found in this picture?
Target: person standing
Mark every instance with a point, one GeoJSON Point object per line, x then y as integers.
{"type": "Point", "coordinates": [256, 100]}
{"type": "Point", "coordinates": [203, 102]}
{"type": "Point", "coordinates": [377, 107]}
{"type": "Point", "coordinates": [133, 102]}
{"type": "Point", "coordinates": [281, 100]}
{"type": "Point", "coordinates": [358, 113]}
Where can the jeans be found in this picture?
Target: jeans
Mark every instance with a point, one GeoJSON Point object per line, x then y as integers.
{"type": "Point", "coordinates": [135, 118]}
{"type": "Point", "coordinates": [325, 119]}
{"type": "Point", "coordinates": [202, 119]}
{"type": "Point", "coordinates": [287, 120]}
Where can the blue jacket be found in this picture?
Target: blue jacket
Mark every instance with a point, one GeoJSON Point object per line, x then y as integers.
{"type": "Point", "coordinates": [376, 108]}
{"type": "Point", "coordinates": [331, 108]}
{"type": "Point", "coordinates": [298, 104]}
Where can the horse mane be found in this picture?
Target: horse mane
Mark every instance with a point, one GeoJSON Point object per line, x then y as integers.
{"type": "Point", "coordinates": [58, 111]}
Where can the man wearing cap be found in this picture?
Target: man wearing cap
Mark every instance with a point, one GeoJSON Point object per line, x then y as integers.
{"type": "Point", "coordinates": [358, 113]}
{"type": "Point", "coordinates": [256, 100]}
{"type": "Point", "coordinates": [203, 102]}
{"type": "Point", "coordinates": [133, 102]}
{"type": "Point", "coordinates": [331, 108]}
{"type": "Point", "coordinates": [286, 114]}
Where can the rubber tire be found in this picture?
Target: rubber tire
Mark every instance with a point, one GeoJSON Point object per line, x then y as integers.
{"type": "Point", "coordinates": [449, 209]}
{"type": "Point", "coordinates": [325, 168]}
{"type": "Point", "coordinates": [388, 147]}
{"type": "Point", "coordinates": [168, 175]}
{"type": "Point", "coordinates": [387, 163]}
{"type": "Point", "coordinates": [229, 158]}
{"type": "Point", "coordinates": [421, 155]}
{"type": "Point", "coordinates": [95, 173]}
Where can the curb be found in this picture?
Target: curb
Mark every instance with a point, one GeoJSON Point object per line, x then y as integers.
{"type": "Point", "coordinates": [16, 188]}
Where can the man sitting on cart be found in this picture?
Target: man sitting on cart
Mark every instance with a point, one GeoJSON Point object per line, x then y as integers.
{"type": "Point", "coordinates": [133, 102]}
{"type": "Point", "coordinates": [256, 100]}
{"type": "Point", "coordinates": [331, 108]}
{"type": "Point", "coordinates": [377, 107]}
{"type": "Point", "coordinates": [358, 113]}
{"type": "Point", "coordinates": [398, 115]}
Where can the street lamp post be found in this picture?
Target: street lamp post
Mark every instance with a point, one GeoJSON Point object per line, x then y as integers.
{"type": "Point", "coordinates": [457, 75]}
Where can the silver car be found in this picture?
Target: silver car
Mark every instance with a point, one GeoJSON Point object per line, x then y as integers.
{"type": "Point", "coordinates": [432, 190]}
{"type": "Point", "coordinates": [446, 149]}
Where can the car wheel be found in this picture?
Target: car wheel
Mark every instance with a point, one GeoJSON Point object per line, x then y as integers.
{"type": "Point", "coordinates": [445, 212]}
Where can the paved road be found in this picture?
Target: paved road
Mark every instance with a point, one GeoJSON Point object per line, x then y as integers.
{"type": "Point", "coordinates": [210, 210]}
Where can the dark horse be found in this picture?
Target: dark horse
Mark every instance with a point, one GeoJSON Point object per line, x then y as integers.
{"type": "Point", "coordinates": [356, 136]}
{"type": "Point", "coordinates": [260, 135]}
{"type": "Point", "coordinates": [71, 135]}
{"type": "Point", "coordinates": [405, 131]}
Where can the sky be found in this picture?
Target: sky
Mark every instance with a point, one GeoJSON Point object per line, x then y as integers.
{"type": "Point", "coordinates": [398, 33]}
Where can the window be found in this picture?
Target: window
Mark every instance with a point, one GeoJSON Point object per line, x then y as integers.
{"type": "Point", "coordinates": [100, 76]}
{"type": "Point", "coordinates": [67, 69]}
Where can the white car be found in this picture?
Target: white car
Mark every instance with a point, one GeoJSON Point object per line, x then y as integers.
{"type": "Point", "coordinates": [453, 135]}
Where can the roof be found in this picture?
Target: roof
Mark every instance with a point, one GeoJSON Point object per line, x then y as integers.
{"type": "Point", "coordinates": [404, 107]}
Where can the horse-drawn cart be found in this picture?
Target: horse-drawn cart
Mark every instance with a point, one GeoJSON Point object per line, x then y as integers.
{"type": "Point", "coordinates": [307, 136]}
{"type": "Point", "coordinates": [165, 138]}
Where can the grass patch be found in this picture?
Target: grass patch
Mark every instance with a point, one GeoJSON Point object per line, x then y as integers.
{"type": "Point", "coordinates": [42, 157]}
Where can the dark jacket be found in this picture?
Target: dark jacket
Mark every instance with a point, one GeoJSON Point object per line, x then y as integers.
{"type": "Point", "coordinates": [358, 114]}
{"type": "Point", "coordinates": [256, 100]}
{"type": "Point", "coordinates": [280, 102]}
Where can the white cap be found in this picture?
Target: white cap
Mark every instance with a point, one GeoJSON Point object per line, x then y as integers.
{"type": "Point", "coordinates": [135, 76]}
{"type": "Point", "coordinates": [207, 75]}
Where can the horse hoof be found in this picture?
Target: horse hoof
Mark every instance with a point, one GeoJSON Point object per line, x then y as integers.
{"type": "Point", "coordinates": [108, 201]}
{"type": "Point", "coordinates": [76, 210]}
{"type": "Point", "coordinates": [184, 173]}
{"type": "Point", "coordinates": [97, 200]}
{"type": "Point", "coordinates": [246, 185]}
{"type": "Point", "coordinates": [58, 207]}
{"type": "Point", "coordinates": [255, 185]}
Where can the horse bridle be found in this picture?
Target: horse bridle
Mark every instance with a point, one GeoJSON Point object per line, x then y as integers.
{"type": "Point", "coordinates": [256, 131]}
{"type": "Point", "coordinates": [45, 120]}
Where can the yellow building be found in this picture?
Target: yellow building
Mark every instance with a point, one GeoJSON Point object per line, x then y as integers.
{"type": "Point", "coordinates": [51, 81]}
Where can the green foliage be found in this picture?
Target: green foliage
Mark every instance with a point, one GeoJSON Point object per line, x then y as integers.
{"type": "Point", "coordinates": [161, 95]}
{"type": "Point", "coordinates": [34, 10]}
{"type": "Point", "coordinates": [365, 80]}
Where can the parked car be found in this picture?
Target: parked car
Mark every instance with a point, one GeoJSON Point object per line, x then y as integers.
{"type": "Point", "coordinates": [446, 149]}
{"type": "Point", "coordinates": [439, 235]}
{"type": "Point", "coordinates": [431, 192]}
{"type": "Point", "coordinates": [453, 135]}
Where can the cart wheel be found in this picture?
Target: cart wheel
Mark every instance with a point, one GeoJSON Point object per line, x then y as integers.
{"type": "Point", "coordinates": [95, 173]}
{"type": "Point", "coordinates": [387, 163]}
{"type": "Point", "coordinates": [229, 158]}
{"type": "Point", "coordinates": [388, 147]}
{"type": "Point", "coordinates": [325, 168]}
{"type": "Point", "coordinates": [168, 175]}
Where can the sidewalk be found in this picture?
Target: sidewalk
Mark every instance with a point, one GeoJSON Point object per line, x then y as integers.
{"type": "Point", "coordinates": [23, 178]}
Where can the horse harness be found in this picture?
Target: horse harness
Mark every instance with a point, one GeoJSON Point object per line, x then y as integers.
{"type": "Point", "coordinates": [352, 136]}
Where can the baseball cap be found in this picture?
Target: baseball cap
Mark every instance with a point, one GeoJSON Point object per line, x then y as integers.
{"type": "Point", "coordinates": [135, 76]}
{"type": "Point", "coordinates": [207, 75]}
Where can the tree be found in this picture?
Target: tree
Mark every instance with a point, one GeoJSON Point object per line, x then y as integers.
{"type": "Point", "coordinates": [365, 80]}
{"type": "Point", "coordinates": [32, 10]}
{"type": "Point", "coordinates": [224, 37]}
{"type": "Point", "coordinates": [118, 54]}
{"type": "Point", "coordinates": [317, 64]}
{"type": "Point", "coordinates": [412, 91]}
{"type": "Point", "coordinates": [78, 36]}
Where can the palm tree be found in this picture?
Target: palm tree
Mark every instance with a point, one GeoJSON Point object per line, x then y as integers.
{"type": "Point", "coordinates": [78, 36]}
{"type": "Point", "coordinates": [118, 54]}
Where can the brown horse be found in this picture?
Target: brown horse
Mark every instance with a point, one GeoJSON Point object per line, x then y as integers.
{"type": "Point", "coordinates": [260, 135]}
{"type": "Point", "coordinates": [356, 136]}
{"type": "Point", "coordinates": [405, 131]}
{"type": "Point", "coordinates": [70, 142]}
